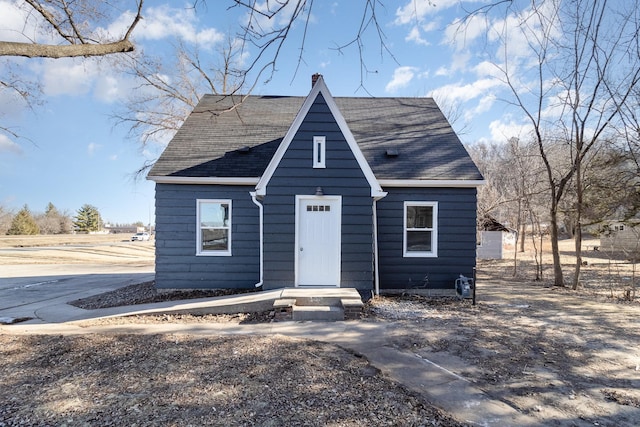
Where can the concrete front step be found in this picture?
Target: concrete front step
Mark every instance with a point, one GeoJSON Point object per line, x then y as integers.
{"type": "Point", "coordinates": [327, 313]}
{"type": "Point", "coordinates": [319, 304]}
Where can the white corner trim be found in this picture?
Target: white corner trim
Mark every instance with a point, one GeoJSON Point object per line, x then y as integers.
{"type": "Point", "coordinates": [319, 87]}
{"type": "Point", "coordinates": [203, 180]}
{"type": "Point", "coordinates": [449, 183]}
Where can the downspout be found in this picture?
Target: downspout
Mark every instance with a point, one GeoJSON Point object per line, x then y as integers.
{"type": "Point", "coordinates": [254, 199]}
{"type": "Point", "coordinates": [376, 277]}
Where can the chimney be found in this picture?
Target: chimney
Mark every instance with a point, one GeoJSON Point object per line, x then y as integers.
{"type": "Point", "coordinates": [314, 79]}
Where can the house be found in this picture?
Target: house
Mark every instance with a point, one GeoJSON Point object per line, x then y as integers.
{"type": "Point", "coordinates": [281, 191]}
{"type": "Point", "coordinates": [494, 239]}
{"type": "Point", "coordinates": [621, 236]}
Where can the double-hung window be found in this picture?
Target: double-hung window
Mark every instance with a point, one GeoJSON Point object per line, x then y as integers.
{"type": "Point", "coordinates": [420, 229]}
{"type": "Point", "coordinates": [213, 227]}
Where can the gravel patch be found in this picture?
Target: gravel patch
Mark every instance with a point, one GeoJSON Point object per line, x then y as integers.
{"type": "Point", "coordinates": [181, 380]}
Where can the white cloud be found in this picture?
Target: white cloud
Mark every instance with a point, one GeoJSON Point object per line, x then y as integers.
{"type": "Point", "coordinates": [485, 104]}
{"type": "Point", "coordinates": [442, 71]}
{"type": "Point", "coordinates": [414, 36]}
{"type": "Point", "coordinates": [110, 89]}
{"type": "Point", "coordinates": [465, 92]}
{"type": "Point", "coordinates": [12, 20]}
{"type": "Point", "coordinates": [431, 26]}
{"type": "Point", "coordinates": [487, 69]}
{"type": "Point", "coordinates": [261, 20]}
{"type": "Point", "coordinates": [402, 76]}
{"type": "Point", "coordinates": [416, 10]}
{"type": "Point", "coordinates": [68, 76]}
{"type": "Point", "coordinates": [18, 23]}
{"type": "Point", "coordinates": [92, 148]}
{"type": "Point", "coordinates": [502, 131]}
{"type": "Point", "coordinates": [514, 39]}
{"type": "Point", "coordinates": [461, 34]}
{"type": "Point", "coordinates": [8, 146]}
{"type": "Point", "coordinates": [165, 22]}
{"type": "Point", "coordinates": [460, 61]}
{"type": "Point", "coordinates": [77, 77]}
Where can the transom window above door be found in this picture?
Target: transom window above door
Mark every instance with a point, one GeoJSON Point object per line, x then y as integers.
{"type": "Point", "coordinates": [318, 208]}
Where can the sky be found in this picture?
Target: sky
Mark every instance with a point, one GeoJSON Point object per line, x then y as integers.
{"type": "Point", "coordinates": [70, 151]}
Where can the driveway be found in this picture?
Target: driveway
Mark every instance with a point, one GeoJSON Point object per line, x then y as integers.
{"type": "Point", "coordinates": [35, 277]}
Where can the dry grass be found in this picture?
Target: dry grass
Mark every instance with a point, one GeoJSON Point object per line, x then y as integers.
{"type": "Point", "coordinates": [60, 239]}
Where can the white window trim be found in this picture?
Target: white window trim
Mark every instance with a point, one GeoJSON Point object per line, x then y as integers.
{"type": "Point", "coordinates": [319, 152]}
{"type": "Point", "coordinates": [434, 232]}
{"type": "Point", "coordinates": [199, 251]}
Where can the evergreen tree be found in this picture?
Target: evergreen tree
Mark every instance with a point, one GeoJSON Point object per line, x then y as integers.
{"type": "Point", "coordinates": [23, 223]}
{"type": "Point", "coordinates": [50, 222]}
{"type": "Point", "coordinates": [51, 210]}
{"type": "Point", "coordinates": [88, 219]}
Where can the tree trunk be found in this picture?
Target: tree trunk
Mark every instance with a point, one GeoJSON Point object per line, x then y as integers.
{"type": "Point", "coordinates": [578, 241]}
{"type": "Point", "coordinates": [515, 243]}
{"type": "Point", "coordinates": [578, 226]}
{"type": "Point", "coordinates": [555, 249]}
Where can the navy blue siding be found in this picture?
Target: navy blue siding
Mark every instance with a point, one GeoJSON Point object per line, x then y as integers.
{"type": "Point", "coordinates": [177, 266]}
{"type": "Point", "coordinates": [295, 175]}
{"type": "Point", "coordinates": [456, 238]}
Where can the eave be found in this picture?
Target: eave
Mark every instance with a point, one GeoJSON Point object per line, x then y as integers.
{"type": "Point", "coordinates": [217, 180]}
{"type": "Point", "coordinates": [430, 183]}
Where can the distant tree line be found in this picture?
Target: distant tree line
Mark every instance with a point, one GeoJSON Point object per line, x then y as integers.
{"type": "Point", "coordinates": [51, 221]}
{"type": "Point", "coordinates": [517, 194]}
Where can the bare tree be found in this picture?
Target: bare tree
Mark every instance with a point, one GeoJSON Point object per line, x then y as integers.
{"type": "Point", "coordinates": [513, 191]}
{"type": "Point", "coordinates": [166, 92]}
{"type": "Point", "coordinates": [585, 65]}
{"type": "Point", "coordinates": [59, 29]}
{"type": "Point", "coordinates": [6, 216]}
{"type": "Point", "coordinates": [72, 25]}
{"type": "Point", "coordinates": [271, 23]}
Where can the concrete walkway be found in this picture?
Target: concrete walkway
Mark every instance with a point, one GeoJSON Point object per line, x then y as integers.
{"type": "Point", "coordinates": [374, 340]}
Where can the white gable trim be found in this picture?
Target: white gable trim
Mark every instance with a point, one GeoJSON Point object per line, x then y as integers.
{"type": "Point", "coordinates": [203, 180]}
{"type": "Point", "coordinates": [449, 183]}
{"type": "Point", "coordinates": [319, 87]}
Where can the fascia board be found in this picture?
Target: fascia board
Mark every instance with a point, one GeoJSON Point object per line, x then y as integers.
{"type": "Point", "coordinates": [447, 183]}
{"type": "Point", "coordinates": [203, 180]}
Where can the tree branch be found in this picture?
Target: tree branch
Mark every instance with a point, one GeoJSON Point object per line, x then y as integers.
{"type": "Point", "coordinates": [31, 50]}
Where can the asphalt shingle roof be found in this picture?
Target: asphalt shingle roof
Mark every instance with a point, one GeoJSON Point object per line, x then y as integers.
{"type": "Point", "coordinates": [212, 142]}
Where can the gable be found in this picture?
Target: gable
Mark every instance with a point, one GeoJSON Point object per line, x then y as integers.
{"type": "Point", "coordinates": [320, 97]}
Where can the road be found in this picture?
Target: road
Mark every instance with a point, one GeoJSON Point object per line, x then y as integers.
{"type": "Point", "coordinates": [33, 278]}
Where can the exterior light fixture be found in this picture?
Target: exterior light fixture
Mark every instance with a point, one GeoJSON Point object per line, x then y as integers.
{"type": "Point", "coordinates": [319, 191]}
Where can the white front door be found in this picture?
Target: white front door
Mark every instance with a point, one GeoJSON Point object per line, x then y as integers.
{"type": "Point", "coordinates": [318, 231]}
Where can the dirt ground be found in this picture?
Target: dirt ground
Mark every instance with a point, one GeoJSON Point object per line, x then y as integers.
{"type": "Point", "coordinates": [567, 358]}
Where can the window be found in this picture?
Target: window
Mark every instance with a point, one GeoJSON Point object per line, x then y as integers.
{"type": "Point", "coordinates": [318, 208]}
{"type": "Point", "coordinates": [319, 152]}
{"type": "Point", "coordinates": [420, 229]}
{"type": "Point", "coordinates": [214, 227]}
